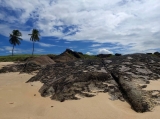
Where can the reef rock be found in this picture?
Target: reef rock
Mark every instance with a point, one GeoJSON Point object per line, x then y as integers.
{"type": "Point", "coordinates": [119, 76]}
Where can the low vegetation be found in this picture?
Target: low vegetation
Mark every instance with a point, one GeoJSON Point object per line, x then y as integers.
{"type": "Point", "coordinates": [24, 57]}
{"type": "Point", "coordinates": [15, 58]}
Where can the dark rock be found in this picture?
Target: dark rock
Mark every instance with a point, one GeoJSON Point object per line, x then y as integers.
{"type": "Point", "coordinates": [67, 56]}
{"type": "Point", "coordinates": [80, 53]}
{"type": "Point", "coordinates": [12, 68]}
{"type": "Point", "coordinates": [117, 54]}
{"type": "Point", "coordinates": [105, 90]}
{"type": "Point", "coordinates": [119, 76]}
{"type": "Point", "coordinates": [52, 56]}
{"type": "Point", "coordinates": [149, 53]}
{"type": "Point", "coordinates": [157, 54]}
{"type": "Point", "coordinates": [75, 54]}
{"type": "Point", "coordinates": [103, 55]}
{"type": "Point", "coordinates": [140, 100]}
{"type": "Point", "coordinates": [143, 86]}
{"type": "Point", "coordinates": [147, 82]}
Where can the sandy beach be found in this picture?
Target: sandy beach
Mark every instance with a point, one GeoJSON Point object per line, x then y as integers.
{"type": "Point", "coordinates": [20, 100]}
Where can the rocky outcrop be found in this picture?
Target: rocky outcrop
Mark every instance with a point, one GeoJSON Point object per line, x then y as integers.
{"type": "Point", "coordinates": [157, 54]}
{"type": "Point", "coordinates": [122, 77]}
{"type": "Point", "coordinates": [12, 68]}
{"type": "Point", "coordinates": [119, 76]}
{"type": "Point", "coordinates": [139, 99]}
{"type": "Point", "coordinates": [32, 64]}
{"type": "Point", "coordinates": [36, 63]}
{"type": "Point", "coordinates": [68, 55]}
{"type": "Point", "coordinates": [103, 55]}
{"type": "Point", "coordinates": [118, 54]}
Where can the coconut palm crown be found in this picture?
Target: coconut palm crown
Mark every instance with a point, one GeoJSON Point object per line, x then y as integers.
{"type": "Point", "coordinates": [15, 39]}
{"type": "Point", "coordinates": [34, 37]}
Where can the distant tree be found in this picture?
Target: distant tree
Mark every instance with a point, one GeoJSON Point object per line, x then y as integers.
{"type": "Point", "coordinates": [34, 37]}
{"type": "Point", "coordinates": [15, 38]}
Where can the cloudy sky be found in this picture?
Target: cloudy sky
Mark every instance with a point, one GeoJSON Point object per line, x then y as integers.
{"type": "Point", "coordinates": [88, 26]}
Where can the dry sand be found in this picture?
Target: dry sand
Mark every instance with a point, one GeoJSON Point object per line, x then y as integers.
{"type": "Point", "coordinates": [154, 85]}
{"type": "Point", "coordinates": [20, 100]}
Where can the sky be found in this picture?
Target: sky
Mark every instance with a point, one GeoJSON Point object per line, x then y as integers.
{"type": "Point", "coordinates": [87, 26]}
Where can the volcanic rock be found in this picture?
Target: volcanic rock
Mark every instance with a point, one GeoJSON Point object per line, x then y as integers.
{"type": "Point", "coordinates": [36, 63]}
{"type": "Point", "coordinates": [104, 55]}
{"type": "Point", "coordinates": [119, 76]}
{"type": "Point", "coordinates": [68, 55]}
{"type": "Point", "coordinates": [122, 77]}
{"type": "Point", "coordinates": [12, 68]}
{"type": "Point", "coordinates": [157, 54]}
{"type": "Point", "coordinates": [117, 54]}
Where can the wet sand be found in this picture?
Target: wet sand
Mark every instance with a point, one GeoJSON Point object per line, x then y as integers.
{"type": "Point", "coordinates": [20, 100]}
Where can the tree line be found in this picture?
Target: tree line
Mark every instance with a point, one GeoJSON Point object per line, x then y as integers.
{"type": "Point", "coordinates": [15, 38]}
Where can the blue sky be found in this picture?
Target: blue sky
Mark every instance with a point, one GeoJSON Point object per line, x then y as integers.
{"type": "Point", "coordinates": [88, 26]}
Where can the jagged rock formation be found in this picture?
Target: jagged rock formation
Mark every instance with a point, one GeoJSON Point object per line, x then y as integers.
{"type": "Point", "coordinates": [68, 55]}
{"type": "Point", "coordinates": [119, 76]}
{"type": "Point", "coordinates": [157, 54]}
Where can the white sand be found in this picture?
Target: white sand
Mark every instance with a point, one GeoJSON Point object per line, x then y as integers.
{"type": "Point", "coordinates": [154, 85]}
{"type": "Point", "coordinates": [17, 101]}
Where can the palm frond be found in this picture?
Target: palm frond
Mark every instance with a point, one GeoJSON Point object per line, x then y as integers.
{"type": "Point", "coordinates": [35, 35]}
{"type": "Point", "coordinates": [15, 37]}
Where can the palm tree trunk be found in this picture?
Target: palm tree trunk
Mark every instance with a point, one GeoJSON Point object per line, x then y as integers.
{"type": "Point", "coordinates": [33, 48]}
{"type": "Point", "coordinates": [12, 50]}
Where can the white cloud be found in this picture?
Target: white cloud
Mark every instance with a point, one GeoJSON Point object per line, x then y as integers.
{"type": "Point", "coordinates": [39, 50]}
{"type": "Point", "coordinates": [45, 44]}
{"type": "Point", "coordinates": [103, 51]}
{"type": "Point", "coordinates": [96, 45]}
{"type": "Point", "coordinates": [104, 21]}
{"type": "Point", "coordinates": [8, 48]}
{"type": "Point", "coordinates": [89, 53]}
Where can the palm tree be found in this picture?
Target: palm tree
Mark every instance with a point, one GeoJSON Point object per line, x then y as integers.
{"type": "Point", "coordinates": [15, 38]}
{"type": "Point", "coordinates": [34, 37]}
